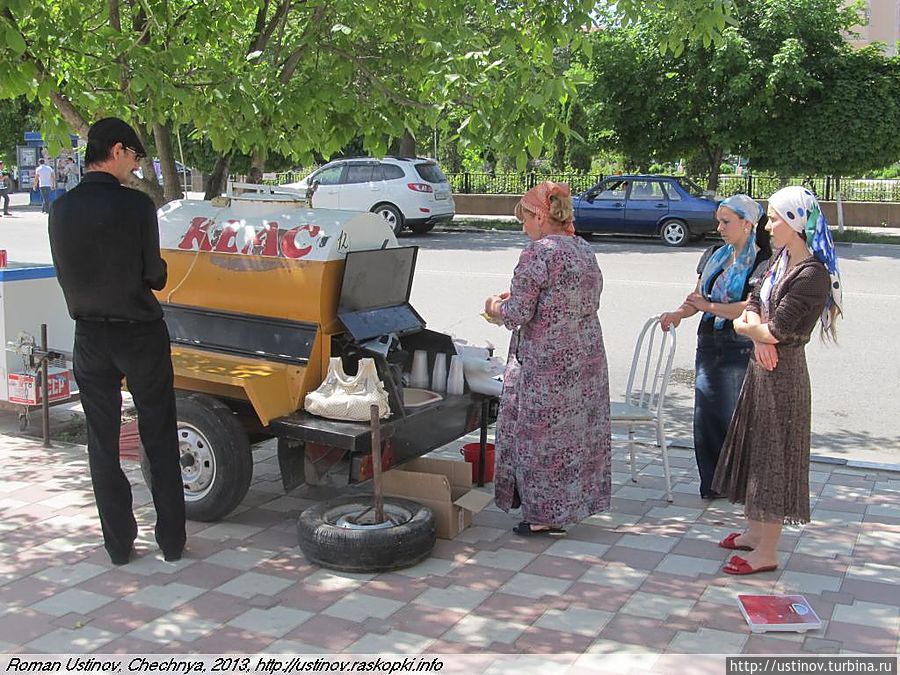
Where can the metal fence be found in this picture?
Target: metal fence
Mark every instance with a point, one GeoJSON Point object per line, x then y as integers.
{"type": "Point", "coordinates": [758, 187]}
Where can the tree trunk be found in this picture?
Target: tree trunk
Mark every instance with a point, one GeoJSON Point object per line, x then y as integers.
{"type": "Point", "coordinates": [406, 145]}
{"type": "Point", "coordinates": [219, 176]}
{"type": "Point", "coordinates": [715, 159]}
{"type": "Point", "coordinates": [258, 159]}
{"type": "Point", "coordinates": [839, 204]}
{"type": "Point", "coordinates": [150, 186]}
{"type": "Point", "coordinates": [171, 182]}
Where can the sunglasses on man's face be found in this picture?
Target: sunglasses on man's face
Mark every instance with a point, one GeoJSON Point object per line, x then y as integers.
{"type": "Point", "coordinates": [137, 155]}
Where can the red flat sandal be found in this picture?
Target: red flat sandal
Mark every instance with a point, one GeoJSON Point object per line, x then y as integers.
{"type": "Point", "coordinates": [738, 566]}
{"type": "Point", "coordinates": [728, 542]}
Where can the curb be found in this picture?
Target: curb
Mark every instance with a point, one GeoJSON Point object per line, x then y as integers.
{"type": "Point", "coordinates": [855, 463]}
{"type": "Point", "coordinates": [823, 459]}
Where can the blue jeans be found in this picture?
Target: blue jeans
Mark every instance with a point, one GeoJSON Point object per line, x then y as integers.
{"type": "Point", "coordinates": [719, 367]}
{"type": "Point", "coordinates": [45, 199]}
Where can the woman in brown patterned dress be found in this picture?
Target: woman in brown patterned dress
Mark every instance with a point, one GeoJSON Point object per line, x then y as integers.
{"type": "Point", "coordinates": [765, 457]}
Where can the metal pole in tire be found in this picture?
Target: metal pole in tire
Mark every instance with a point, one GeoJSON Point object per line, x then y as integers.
{"type": "Point", "coordinates": [45, 393]}
{"type": "Point", "coordinates": [485, 411]}
{"type": "Point", "coordinates": [376, 463]}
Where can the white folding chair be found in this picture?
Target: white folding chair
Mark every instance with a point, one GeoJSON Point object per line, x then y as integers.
{"type": "Point", "coordinates": [645, 393]}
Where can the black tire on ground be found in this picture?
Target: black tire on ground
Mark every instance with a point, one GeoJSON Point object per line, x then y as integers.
{"type": "Point", "coordinates": [391, 214]}
{"type": "Point", "coordinates": [674, 233]}
{"type": "Point", "coordinates": [421, 228]}
{"type": "Point", "coordinates": [216, 462]}
{"type": "Point", "coordinates": [368, 549]}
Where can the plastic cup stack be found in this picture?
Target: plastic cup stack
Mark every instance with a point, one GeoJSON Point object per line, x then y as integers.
{"type": "Point", "coordinates": [418, 377]}
{"type": "Point", "coordinates": [439, 375]}
{"type": "Point", "coordinates": [456, 377]}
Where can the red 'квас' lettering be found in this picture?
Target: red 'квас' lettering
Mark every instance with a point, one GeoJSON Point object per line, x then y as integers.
{"type": "Point", "coordinates": [267, 241]}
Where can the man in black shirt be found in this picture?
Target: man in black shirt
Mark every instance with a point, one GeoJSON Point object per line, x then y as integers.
{"type": "Point", "coordinates": [104, 238]}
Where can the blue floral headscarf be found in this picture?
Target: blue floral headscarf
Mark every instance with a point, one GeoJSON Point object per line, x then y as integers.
{"type": "Point", "coordinates": [736, 274]}
{"type": "Point", "coordinates": [800, 209]}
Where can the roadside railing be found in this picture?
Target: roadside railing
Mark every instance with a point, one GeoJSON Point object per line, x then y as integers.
{"type": "Point", "coordinates": [757, 186]}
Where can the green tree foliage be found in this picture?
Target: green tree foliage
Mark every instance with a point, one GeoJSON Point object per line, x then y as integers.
{"type": "Point", "coordinates": [846, 126]}
{"type": "Point", "coordinates": [578, 151]}
{"type": "Point", "coordinates": [16, 117]}
{"type": "Point", "coordinates": [264, 77]}
{"type": "Point", "coordinates": [781, 86]}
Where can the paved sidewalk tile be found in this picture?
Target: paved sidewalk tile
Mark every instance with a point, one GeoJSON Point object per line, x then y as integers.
{"type": "Point", "coordinates": [392, 642]}
{"type": "Point", "coordinates": [275, 622]}
{"type": "Point", "coordinates": [165, 597]}
{"type": "Point", "coordinates": [869, 614]}
{"type": "Point", "coordinates": [250, 584]}
{"type": "Point", "coordinates": [359, 607]}
{"type": "Point", "coordinates": [66, 641]}
{"type": "Point", "coordinates": [708, 641]}
{"type": "Point", "coordinates": [72, 600]}
{"type": "Point", "coordinates": [656, 606]}
{"type": "Point", "coordinates": [579, 620]}
{"type": "Point", "coordinates": [482, 631]}
{"type": "Point", "coordinates": [641, 580]}
{"type": "Point", "coordinates": [534, 586]}
{"type": "Point", "coordinates": [458, 598]}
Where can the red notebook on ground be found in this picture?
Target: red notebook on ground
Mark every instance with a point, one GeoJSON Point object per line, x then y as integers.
{"type": "Point", "coordinates": [778, 612]}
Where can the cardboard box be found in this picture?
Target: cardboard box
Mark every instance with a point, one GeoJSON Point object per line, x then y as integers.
{"type": "Point", "coordinates": [25, 387]}
{"type": "Point", "coordinates": [443, 486]}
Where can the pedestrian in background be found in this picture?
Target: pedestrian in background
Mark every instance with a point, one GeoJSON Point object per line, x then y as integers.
{"type": "Point", "coordinates": [5, 188]}
{"type": "Point", "coordinates": [727, 273]}
{"type": "Point", "coordinates": [553, 431]}
{"type": "Point", "coordinates": [765, 458]}
{"type": "Point", "coordinates": [104, 239]}
{"type": "Point", "coordinates": [43, 181]}
{"type": "Point", "coordinates": [71, 173]}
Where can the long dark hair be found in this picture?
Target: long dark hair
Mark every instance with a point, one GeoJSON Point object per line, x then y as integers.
{"type": "Point", "coordinates": [763, 238]}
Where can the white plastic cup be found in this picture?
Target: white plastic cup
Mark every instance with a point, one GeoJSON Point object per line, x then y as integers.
{"type": "Point", "coordinates": [456, 377]}
{"type": "Point", "coordinates": [439, 374]}
{"type": "Point", "coordinates": [418, 377]}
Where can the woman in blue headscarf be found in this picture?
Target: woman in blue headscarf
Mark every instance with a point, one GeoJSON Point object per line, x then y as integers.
{"type": "Point", "coordinates": [727, 274]}
{"type": "Point", "coordinates": [765, 458]}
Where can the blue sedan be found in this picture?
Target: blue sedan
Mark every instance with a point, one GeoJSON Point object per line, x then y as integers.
{"type": "Point", "coordinates": [664, 206]}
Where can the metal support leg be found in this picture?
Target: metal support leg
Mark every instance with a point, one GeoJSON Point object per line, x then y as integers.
{"type": "Point", "coordinates": [485, 412]}
{"type": "Point", "coordinates": [661, 439]}
{"type": "Point", "coordinates": [45, 388]}
{"type": "Point", "coordinates": [631, 452]}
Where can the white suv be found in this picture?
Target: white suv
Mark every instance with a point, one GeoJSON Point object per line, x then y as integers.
{"type": "Point", "coordinates": [407, 192]}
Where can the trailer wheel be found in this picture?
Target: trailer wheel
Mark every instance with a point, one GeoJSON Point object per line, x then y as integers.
{"type": "Point", "coordinates": [339, 534]}
{"type": "Point", "coordinates": [216, 463]}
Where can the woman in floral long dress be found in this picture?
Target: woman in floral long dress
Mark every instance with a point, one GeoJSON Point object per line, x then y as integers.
{"type": "Point", "coordinates": [553, 431]}
{"type": "Point", "coordinates": [765, 457]}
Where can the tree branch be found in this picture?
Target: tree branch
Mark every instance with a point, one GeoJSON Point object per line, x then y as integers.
{"type": "Point", "coordinates": [376, 81]}
{"type": "Point", "coordinates": [293, 59]}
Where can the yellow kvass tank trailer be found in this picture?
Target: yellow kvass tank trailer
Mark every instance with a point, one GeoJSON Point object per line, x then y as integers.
{"type": "Point", "coordinates": [261, 292]}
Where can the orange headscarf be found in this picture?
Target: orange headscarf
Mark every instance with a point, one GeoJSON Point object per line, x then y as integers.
{"type": "Point", "coordinates": [537, 200]}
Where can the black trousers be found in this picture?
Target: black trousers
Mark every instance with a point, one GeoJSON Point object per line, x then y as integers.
{"type": "Point", "coordinates": [104, 353]}
{"type": "Point", "coordinates": [4, 195]}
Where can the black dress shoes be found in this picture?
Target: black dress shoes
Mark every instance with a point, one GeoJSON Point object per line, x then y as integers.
{"type": "Point", "coordinates": [120, 559]}
{"type": "Point", "coordinates": [173, 556]}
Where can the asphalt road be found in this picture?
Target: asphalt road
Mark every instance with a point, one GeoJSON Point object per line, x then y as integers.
{"type": "Point", "coordinates": [855, 406]}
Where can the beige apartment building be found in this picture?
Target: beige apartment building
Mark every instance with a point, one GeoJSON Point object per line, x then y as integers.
{"type": "Point", "coordinates": [882, 25]}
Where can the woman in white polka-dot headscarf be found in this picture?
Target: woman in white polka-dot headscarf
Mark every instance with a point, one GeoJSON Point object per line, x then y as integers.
{"type": "Point", "coordinates": [800, 209]}
{"type": "Point", "coordinates": [765, 458]}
